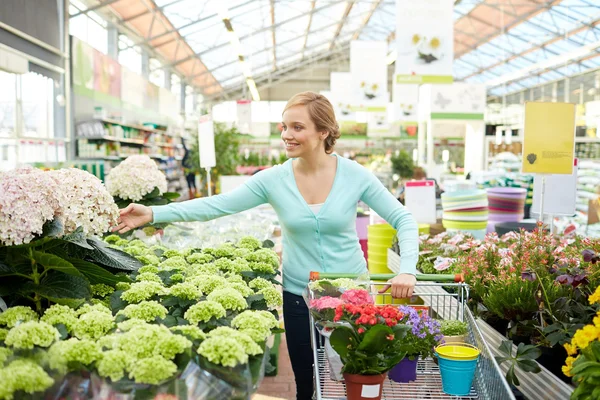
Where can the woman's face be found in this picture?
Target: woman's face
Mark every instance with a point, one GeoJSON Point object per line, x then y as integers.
{"type": "Point", "coordinates": [299, 133]}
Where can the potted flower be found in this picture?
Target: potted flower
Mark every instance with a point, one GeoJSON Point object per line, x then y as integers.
{"type": "Point", "coordinates": [369, 343]}
{"type": "Point", "coordinates": [453, 330]}
{"type": "Point", "coordinates": [420, 341]}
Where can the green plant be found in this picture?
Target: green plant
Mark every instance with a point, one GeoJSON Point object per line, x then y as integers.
{"type": "Point", "coordinates": [453, 327]}
{"type": "Point", "coordinates": [524, 358]}
{"type": "Point", "coordinates": [402, 164]}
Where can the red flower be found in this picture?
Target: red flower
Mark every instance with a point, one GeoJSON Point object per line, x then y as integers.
{"type": "Point", "coordinates": [361, 330]}
{"type": "Point", "coordinates": [390, 337]}
{"type": "Point", "coordinates": [373, 321]}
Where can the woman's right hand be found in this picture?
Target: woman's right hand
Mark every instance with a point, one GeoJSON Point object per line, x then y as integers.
{"type": "Point", "coordinates": [133, 216]}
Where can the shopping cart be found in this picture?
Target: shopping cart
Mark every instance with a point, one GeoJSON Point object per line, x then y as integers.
{"type": "Point", "coordinates": [446, 299]}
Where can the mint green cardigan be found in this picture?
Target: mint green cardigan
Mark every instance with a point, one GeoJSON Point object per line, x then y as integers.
{"type": "Point", "coordinates": [325, 242]}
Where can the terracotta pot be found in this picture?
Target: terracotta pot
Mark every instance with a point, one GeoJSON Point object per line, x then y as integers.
{"type": "Point", "coordinates": [364, 387]}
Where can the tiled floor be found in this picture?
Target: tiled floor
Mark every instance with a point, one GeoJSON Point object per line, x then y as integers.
{"type": "Point", "coordinates": [281, 386]}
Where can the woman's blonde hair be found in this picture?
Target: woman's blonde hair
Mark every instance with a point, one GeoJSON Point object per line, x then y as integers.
{"type": "Point", "coordinates": [321, 114]}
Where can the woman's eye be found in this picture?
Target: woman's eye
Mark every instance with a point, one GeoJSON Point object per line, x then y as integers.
{"type": "Point", "coordinates": [297, 127]}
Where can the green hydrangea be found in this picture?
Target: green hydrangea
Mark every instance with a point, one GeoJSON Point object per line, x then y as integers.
{"type": "Point", "coordinates": [124, 285]}
{"type": "Point", "coordinates": [186, 290]}
{"type": "Point", "coordinates": [148, 277]}
{"type": "Point", "coordinates": [204, 311]}
{"type": "Point", "coordinates": [224, 351]}
{"type": "Point", "coordinates": [234, 278]}
{"type": "Point", "coordinates": [149, 230]}
{"type": "Point", "coordinates": [250, 243]}
{"type": "Point", "coordinates": [59, 314]}
{"type": "Point", "coordinates": [135, 251]}
{"type": "Point", "coordinates": [121, 243]}
{"type": "Point", "coordinates": [177, 278]}
{"type": "Point", "coordinates": [174, 263]}
{"type": "Point", "coordinates": [241, 252]}
{"type": "Point", "coordinates": [5, 354]}
{"type": "Point", "coordinates": [229, 298]}
{"type": "Point", "coordinates": [225, 250]}
{"type": "Point", "coordinates": [259, 284]}
{"type": "Point", "coordinates": [31, 333]}
{"type": "Point", "coordinates": [209, 250]}
{"type": "Point", "coordinates": [158, 247]}
{"type": "Point", "coordinates": [3, 333]}
{"type": "Point", "coordinates": [111, 341]}
{"type": "Point", "coordinates": [127, 325]}
{"type": "Point", "coordinates": [73, 351]}
{"type": "Point", "coordinates": [86, 308]}
{"type": "Point", "coordinates": [202, 269]}
{"type": "Point", "coordinates": [172, 253]}
{"type": "Point", "coordinates": [190, 331]}
{"type": "Point", "coordinates": [23, 375]}
{"type": "Point", "coordinates": [224, 264]}
{"type": "Point", "coordinates": [241, 264]}
{"type": "Point", "coordinates": [113, 364]}
{"type": "Point", "coordinates": [262, 268]}
{"type": "Point", "coordinates": [104, 302]}
{"type": "Point", "coordinates": [151, 269]}
{"type": "Point", "coordinates": [264, 255]}
{"type": "Point", "coordinates": [199, 258]}
{"type": "Point", "coordinates": [153, 370]}
{"type": "Point", "coordinates": [188, 252]}
{"type": "Point", "coordinates": [255, 320]}
{"type": "Point", "coordinates": [141, 291]}
{"type": "Point", "coordinates": [148, 259]}
{"type": "Point", "coordinates": [102, 290]}
{"type": "Point", "coordinates": [144, 341]}
{"type": "Point", "coordinates": [93, 325]}
{"type": "Point", "coordinates": [249, 345]}
{"type": "Point", "coordinates": [257, 334]}
{"type": "Point", "coordinates": [111, 239]}
{"type": "Point", "coordinates": [345, 283]}
{"type": "Point", "coordinates": [13, 315]}
{"type": "Point", "coordinates": [146, 310]}
{"type": "Point", "coordinates": [273, 297]}
{"type": "Point", "coordinates": [208, 283]}
{"type": "Point", "coordinates": [242, 288]}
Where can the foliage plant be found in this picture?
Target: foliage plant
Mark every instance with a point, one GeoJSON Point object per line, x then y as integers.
{"type": "Point", "coordinates": [402, 164]}
{"type": "Point", "coordinates": [453, 327]}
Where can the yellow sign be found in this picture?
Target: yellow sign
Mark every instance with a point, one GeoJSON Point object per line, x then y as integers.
{"type": "Point", "coordinates": [549, 142]}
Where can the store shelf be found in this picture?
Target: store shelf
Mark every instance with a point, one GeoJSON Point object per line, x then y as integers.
{"type": "Point", "coordinates": [140, 142]}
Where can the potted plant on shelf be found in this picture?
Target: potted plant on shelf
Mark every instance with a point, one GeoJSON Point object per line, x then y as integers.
{"type": "Point", "coordinates": [420, 341]}
{"type": "Point", "coordinates": [369, 344]}
{"type": "Point", "coordinates": [453, 330]}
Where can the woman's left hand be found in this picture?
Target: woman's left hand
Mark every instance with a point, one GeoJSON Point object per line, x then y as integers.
{"type": "Point", "coordinates": [402, 286]}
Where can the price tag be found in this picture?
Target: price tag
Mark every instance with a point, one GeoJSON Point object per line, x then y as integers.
{"type": "Point", "coordinates": [420, 201]}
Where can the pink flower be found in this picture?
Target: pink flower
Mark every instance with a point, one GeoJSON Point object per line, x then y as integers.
{"type": "Point", "coordinates": [357, 297]}
{"type": "Point", "coordinates": [325, 302]}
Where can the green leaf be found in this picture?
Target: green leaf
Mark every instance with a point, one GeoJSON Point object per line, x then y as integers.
{"type": "Point", "coordinates": [528, 352]}
{"type": "Point", "coordinates": [116, 303]}
{"type": "Point", "coordinates": [112, 258]}
{"type": "Point", "coordinates": [595, 345]}
{"type": "Point", "coordinates": [152, 194]}
{"type": "Point", "coordinates": [268, 244]}
{"type": "Point", "coordinates": [506, 347]}
{"type": "Point", "coordinates": [6, 269]}
{"type": "Point", "coordinates": [171, 195]}
{"type": "Point", "coordinates": [375, 339]}
{"type": "Point", "coordinates": [169, 301]}
{"type": "Point", "coordinates": [62, 329]}
{"type": "Point", "coordinates": [77, 238]}
{"type": "Point", "coordinates": [52, 228]}
{"type": "Point", "coordinates": [50, 261]}
{"type": "Point", "coordinates": [169, 321]}
{"type": "Point", "coordinates": [57, 285]}
{"type": "Point", "coordinates": [577, 369]}
{"type": "Point", "coordinates": [529, 366]}
{"type": "Point", "coordinates": [97, 274]}
{"type": "Point", "coordinates": [341, 338]}
{"type": "Point", "coordinates": [511, 377]}
{"type": "Point", "coordinates": [10, 285]}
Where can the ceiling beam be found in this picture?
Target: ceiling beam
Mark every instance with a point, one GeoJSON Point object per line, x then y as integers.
{"type": "Point", "coordinates": [347, 10]}
{"type": "Point", "coordinates": [93, 8]}
{"type": "Point", "coordinates": [274, 56]}
{"type": "Point", "coordinates": [261, 30]}
{"type": "Point", "coordinates": [374, 7]}
{"type": "Point", "coordinates": [312, 10]}
{"type": "Point", "coordinates": [131, 18]}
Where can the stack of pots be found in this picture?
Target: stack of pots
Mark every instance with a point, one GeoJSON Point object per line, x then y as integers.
{"type": "Point", "coordinates": [380, 238]}
{"type": "Point", "coordinates": [506, 204]}
{"type": "Point", "coordinates": [466, 211]}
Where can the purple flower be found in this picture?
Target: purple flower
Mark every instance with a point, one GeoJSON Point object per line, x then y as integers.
{"type": "Point", "coordinates": [564, 279]}
{"type": "Point", "coordinates": [588, 255]}
{"type": "Point", "coordinates": [580, 279]}
{"type": "Point", "coordinates": [528, 275]}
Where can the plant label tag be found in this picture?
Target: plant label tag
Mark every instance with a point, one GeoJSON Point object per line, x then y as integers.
{"type": "Point", "coordinates": [370, 391]}
{"type": "Point", "coordinates": [420, 201]}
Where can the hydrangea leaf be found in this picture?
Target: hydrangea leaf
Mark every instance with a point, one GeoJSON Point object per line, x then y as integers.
{"type": "Point", "coordinates": [112, 258]}
{"type": "Point", "coordinates": [50, 261]}
{"type": "Point", "coordinates": [57, 285]}
{"type": "Point", "coordinates": [97, 274]}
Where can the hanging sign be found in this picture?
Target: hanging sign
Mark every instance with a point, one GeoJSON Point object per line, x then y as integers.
{"type": "Point", "coordinates": [206, 141]}
{"type": "Point", "coordinates": [549, 138]}
{"type": "Point", "coordinates": [341, 96]}
{"type": "Point", "coordinates": [420, 201]}
{"type": "Point", "coordinates": [405, 103]}
{"type": "Point", "coordinates": [377, 124]}
{"type": "Point", "coordinates": [560, 193]}
{"type": "Point", "coordinates": [424, 41]}
{"type": "Point", "coordinates": [368, 67]}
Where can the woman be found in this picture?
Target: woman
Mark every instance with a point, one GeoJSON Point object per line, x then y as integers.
{"type": "Point", "coordinates": [315, 195]}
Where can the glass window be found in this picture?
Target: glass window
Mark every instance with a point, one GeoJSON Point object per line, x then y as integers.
{"type": "Point", "coordinates": [130, 55]}
{"type": "Point", "coordinates": [7, 104]}
{"type": "Point", "coordinates": [36, 95]}
{"type": "Point", "coordinates": [90, 28]}
{"type": "Point", "coordinates": [157, 73]}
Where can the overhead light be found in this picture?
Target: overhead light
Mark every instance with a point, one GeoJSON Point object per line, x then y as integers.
{"type": "Point", "coordinates": [391, 57]}
{"type": "Point", "coordinates": [253, 89]}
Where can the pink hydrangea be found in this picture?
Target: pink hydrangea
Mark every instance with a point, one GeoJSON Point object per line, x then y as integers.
{"type": "Point", "coordinates": [28, 199]}
{"type": "Point", "coordinates": [136, 177]}
{"type": "Point", "coordinates": [357, 297]}
{"type": "Point", "coordinates": [325, 302]}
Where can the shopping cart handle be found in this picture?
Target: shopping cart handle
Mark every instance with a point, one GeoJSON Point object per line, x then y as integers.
{"type": "Point", "coordinates": [315, 276]}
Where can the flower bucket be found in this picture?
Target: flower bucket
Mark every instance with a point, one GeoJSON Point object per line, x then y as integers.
{"type": "Point", "coordinates": [364, 387]}
{"type": "Point", "coordinates": [405, 371]}
{"type": "Point", "coordinates": [457, 362]}
{"type": "Point", "coordinates": [378, 257]}
{"type": "Point", "coordinates": [377, 267]}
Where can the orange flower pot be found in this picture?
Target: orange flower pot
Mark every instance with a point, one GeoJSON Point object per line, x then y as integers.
{"type": "Point", "coordinates": [367, 387]}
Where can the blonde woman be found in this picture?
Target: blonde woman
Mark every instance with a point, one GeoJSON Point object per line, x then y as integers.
{"type": "Point", "coordinates": [315, 194]}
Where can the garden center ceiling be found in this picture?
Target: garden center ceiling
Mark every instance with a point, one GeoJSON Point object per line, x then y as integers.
{"type": "Point", "coordinates": [218, 45]}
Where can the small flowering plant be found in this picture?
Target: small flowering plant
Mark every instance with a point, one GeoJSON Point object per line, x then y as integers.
{"type": "Point", "coordinates": [423, 336]}
{"type": "Point", "coordinates": [368, 338]}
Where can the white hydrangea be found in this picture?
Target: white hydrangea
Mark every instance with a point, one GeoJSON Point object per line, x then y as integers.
{"type": "Point", "coordinates": [87, 203]}
{"type": "Point", "coordinates": [136, 177]}
{"type": "Point", "coordinates": [28, 199]}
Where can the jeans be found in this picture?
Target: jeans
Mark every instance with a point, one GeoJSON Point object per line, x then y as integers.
{"type": "Point", "coordinates": [297, 334]}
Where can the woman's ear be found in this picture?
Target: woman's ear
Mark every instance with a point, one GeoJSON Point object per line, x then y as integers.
{"type": "Point", "coordinates": [324, 135]}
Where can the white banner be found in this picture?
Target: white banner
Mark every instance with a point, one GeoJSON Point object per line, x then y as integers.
{"type": "Point", "coordinates": [206, 141]}
{"type": "Point", "coordinates": [244, 115]}
{"type": "Point", "coordinates": [368, 66]}
{"type": "Point", "coordinates": [406, 103]}
{"type": "Point", "coordinates": [425, 41]}
{"type": "Point", "coordinates": [378, 124]}
{"type": "Point", "coordinates": [341, 96]}
{"type": "Point", "coordinates": [455, 101]}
